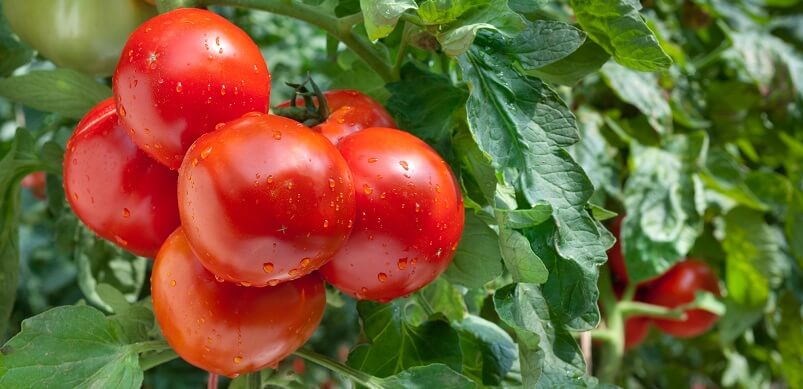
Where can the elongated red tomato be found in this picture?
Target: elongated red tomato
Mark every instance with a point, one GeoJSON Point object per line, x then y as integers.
{"type": "Point", "coordinates": [265, 200]}
{"type": "Point", "coordinates": [183, 72]}
{"type": "Point", "coordinates": [115, 189]}
{"type": "Point", "coordinates": [409, 216]}
{"type": "Point", "coordinates": [677, 287]}
{"type": "Point", "coordinates": [225, 328]}
{"type": "Point", "coordinates": [350, 111]}
{"type": "Point", "coordinates": [636, 331]}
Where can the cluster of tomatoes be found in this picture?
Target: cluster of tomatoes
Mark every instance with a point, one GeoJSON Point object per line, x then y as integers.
{"type": "Point", "coordinates": [246, 212]}
{"type": "Point", "coordinates": [673, 289]}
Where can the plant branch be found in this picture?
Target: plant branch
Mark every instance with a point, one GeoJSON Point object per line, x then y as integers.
{"type": "Point", "coordinates": [152, 360]}
{"type": "Point", "coordinates": [612, 353]}
{"type": "Point", "coordinates": [635, 308]}
{"type": "Point", "coordinates": [347, 371]}
{"type": "Point", "coordinates": [339, 28]}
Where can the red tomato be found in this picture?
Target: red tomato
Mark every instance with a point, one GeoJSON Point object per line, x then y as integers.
{"type": "Point", "coordinates": [677, 287]}
{"type": "Point", "coordinates": [616, 259]}
{"type": "Point", "coordinates": [183, 72]}
{"type": "Point", "coordinates": [350, 111]}
{"type": "Point", "coordinates": [409, 216]}
{"type": "Point", "coordinates": [35, 182]}
{"type": "Point", "coordinates": [265, 200]}
{"type": "Point", "coordinates": [115, 189]}
{"type": "Point", "coordinates": [636, 330]}
{"type": "Point", "coordinates": [225, 328]}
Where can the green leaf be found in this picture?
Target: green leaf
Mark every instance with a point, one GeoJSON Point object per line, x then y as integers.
{"type": "Point", "coordinates": [569, 70]}
{"type": "Point", "coordinates": [737, 319]}
{"type": "Point", "coordinates": [425, 103]}
{"type": "Point", "coordinates": [13, 53]}
{"type": "Point", "coordinates": [544, 42]}
{"type": "Point", "coordinates": [763, 56]}
{"type": "Point", "coordinates": [641, 90]}
{"type": "Point", "coordinates": [550, 358]}
{"type": "Point", "coordinates": [460, 20]}
{"type": "Point", "coordinates": [520, 260]}
{"type": "Point", "coordinates": [397, 345]}
{"type": "Point", "coordinates": [596, 156]}
{"type": "Point", "coordinates": [476, 164]}
{"type": "Point", "coordinates": [444, 298]}
{"type": "Point", "coordinates": [488, 351]}
{"type": "Point", "coordinates": [477, 260]}
{"type": "Point", "coordinates": [100, 262]}
{"type": "Point", "coordinates": [63, 91]}
{"type": "Point", "coordinates": [724, 174]}
{"type": "Point", "coordinates": [381, 16]}
{"type": "Point", "coordinates": [523, 218]}
{"type": "Point", "coordinates": [617, 26]}
{"type": "Point", "coordinates": [524, 127]}
{"type": "Point", "coordinates": [70, 346]}
{"type": "Point", "coordinates": [794, 226]}
{"type": "Point", "coordinates": [20, 159]}
{"type": "Point", "coordinates": [436, 375]}
{"type": "Point", "coordinates": [790, 337]}
{"type": "Point", "coordinates": [664, 204]}
{"type": "Point", "coordinates": [757, 259]}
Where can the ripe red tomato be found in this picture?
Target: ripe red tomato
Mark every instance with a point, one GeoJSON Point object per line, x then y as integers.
{"type": "Point", "coordinates": [636, 330]}
{"type": "Point", "coordinates": [183, 72]}
{"type": "Point", "coordinates": [409, 216]}
{"type": "Point", "coordinates": [35, 182]}
{"type": "Point", "coordinates": [225, 328]}
{"type": "Point", "coordinates": [115, 189]}
{"type": "Point", "coordinates": [350, 111]}
{"type": "Point", "coordinates": [265, 200]}
{"type": "Point", "coordinates": [677, 287]}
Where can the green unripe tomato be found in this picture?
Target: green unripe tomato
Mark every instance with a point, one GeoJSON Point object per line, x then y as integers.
{"type": "Point", "coordinates": [85, 35]}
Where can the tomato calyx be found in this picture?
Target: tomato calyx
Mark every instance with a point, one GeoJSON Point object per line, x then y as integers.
{"type": "Point", "coordinates": [310, 114]}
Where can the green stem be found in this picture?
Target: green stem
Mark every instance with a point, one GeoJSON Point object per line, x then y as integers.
{"type": "Point", "coordinates": [253, 380]}
{"type": "Point", "coordinates": [152, 360]}
{"type": "Point", "coordinates": [424, 303]}
{"type": "Point", "coordinates": [602, 335]}
{"type": "Point", "coordinates": [635, 308]}
{"type": "Point", "coordinates": [347, 371]}
{"type": "Point", "coordinates": [614, 348]}
{"type": "Point", "coordinates": [150, 345]}
{"type": "Point", "coordinates": [339, 28]}
{"type": "Point", "coordinates": [396, 69]}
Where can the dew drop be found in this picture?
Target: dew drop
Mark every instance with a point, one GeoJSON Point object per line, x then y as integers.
{"type": "Point", "coordinates": [289, 185]}
{"type": "Point", "coordinates": [402, 263]}
{"type": "Point", "coordinates": [195, 162]}
{"type": "Point", "coordinates": [350, 224]}
{"type": "Point", "coordinates": [273, 282]}
{"type": "Point", "coordinates": [172, 282]}
{"type": "Point", "coordinates": [256, 69]}
{"type": "Point", "coordinates": [277, 134]}
{"type": "Point", "coordinates": [404, 165]}
{"type": "Point", "coordinates": [305, 262]}
{"type": "Point", "coordinates": [293, 272]}
{"type": "Point", "coordinates": [238, 359]}
{"type": "Point", "coordinates": [332, 184]}
{"type": "Point", "coordinates": [245, 283]}
{"type": "Point", "coordinates": [219, 125]}
{"type": "Point", "coordinates": [367, 189]}
{"type": "Point", "coordinates": [205, 153]}
{"type": "Point", "coordinates": [222, 89]}
{"type": "Point", "coordinates": [267, 267]}
{"type": "Point", "coordinates": [325, 223]}
{"type": "Point", "coordinates": [363, 290]}
{"type": "Point", "coordinates": [126, 212]}
{"type": "Point", "coordinates": [148, 29]}
{"type": "Point", "coordinates": [120, 240]}
{"type": "Point", "coordinates": [270, 179]}
{"type": "Point", "coordinates": [217, 40]}
{"type": "Point", "coordinates": [382, 195]}
{"type": "Point", "coordinates": [121, 111]}
{"type": "Point", "coordinates": [179, 87]}
{"type": "Point", "coordinates": [382, 277]}
{"type": "Point", "coordinates": [437, 188]}
{"type": "Point", "coordinates": [218, 278]}
{"type": "Point", "coordinates": [372, 160]}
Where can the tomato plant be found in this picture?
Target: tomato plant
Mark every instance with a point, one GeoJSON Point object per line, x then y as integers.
{"type": "Point", "coordinates": [115, 188]}
{"type": "Point", "coordinates": [282, 196]}
{"type": "Point", "coordinates": [85, 35]}
{"type": "Point", "coordinates": [562, 160]}
{"type": "Point", "coordinates": [226, 328]}
{"type": "Point", "coordinates": [183, 73]}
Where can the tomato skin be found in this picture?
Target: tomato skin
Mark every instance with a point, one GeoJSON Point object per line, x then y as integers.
{"type": "Point", "coordinates": [350, 111]}
{"type": "Point", "coordinates": [409, 216]}
{"type": "Point", "coordinates": [265, 200]}
{"type": "Point", "coordinates": [225, 328]}
{"type": "Point", "coordinates": [183, 72]}
{"type": "Point", "coordinates": [616, 259]}
{"type": "Point", "coordinates": [35, 182]}
{"type": "Point", "coordinates": [677, 287]}
{"type": "Point", "coordinates": [636, 330]}
{"type": "Point", "coordinates": [117, 190]}
{"type": "Point", "coordinates": [85, 35]}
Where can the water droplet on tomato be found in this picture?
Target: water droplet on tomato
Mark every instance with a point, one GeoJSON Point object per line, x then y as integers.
{"type": "Point", "coordinates": [293, 272]}
{"type": "Point", "coordinates": [382, 277]}
{"type": "Point", "coordinates": [267, 267]}
{"type": "Point", "coordinates": [120, 240]}
{"type": "Point", "coordinates": [219, 278]}
{"type": "Point", "coordinates": [277, 135]}
{"type": "Point", "coordinates": [238, 359]}
{"type": "Point", "coordinates": [402, 263]}
{"type": "Point", "coordinates": [172, 282]}
{"type": "Point", "coordinates": [350, 224]}
{"type": "Point", "coordinates": [179, 87]}
{"type": "Point", "coordinates": [245, 283]}
{"type": "Point", "coordinates": [256, 69]}
{"type": "Point", "coordinates": [363, 290]}
{"type": "Point", "coordinates": [289, 185]}
{"type": "Point", "coordinates": [126, 212]}
{"type": "Point", "coordinates": [372, 160]}
{"type": "Point", "coordinates": [222, 89]}
{"type": "Point", "coordinates": [148, 29]}
{"type": "Point", "coordinates": [205, 153]}
{"type": "Point", "coordinates": [270, 179]}
{"type": "Point", "coordinates": [121, 110]}
{"type": "Point", "coordinates": [305, 262]}
{"type": "Point", "coordinates": [437, 188]}
{"type": "Point", "coordinates": [273, 282]}
{"type": "Point", "coordinates": [325, 223]}
{"type": "Point", "coordinates": [217, 40]}
{"type": "Point", "coordinates": [367, 189]}
{"type": "Point", "coordinates": [404, 165]}
{"type": "Point", "coordinates": [417, 207]}
{"type": "Point", "coordinates": [382, 195]}
{"type": "Point", "coordinates": [194, 162]}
